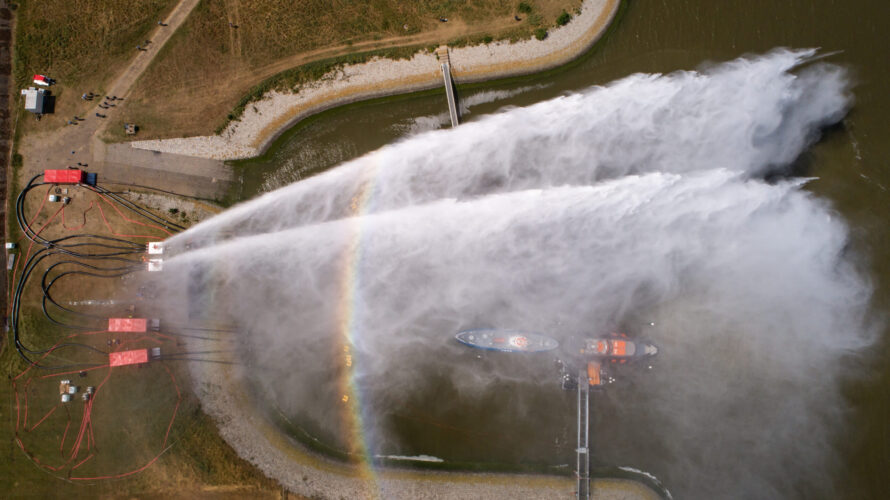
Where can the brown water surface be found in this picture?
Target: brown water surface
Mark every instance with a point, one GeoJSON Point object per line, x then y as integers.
{"type": "Point", "coordinates": [851, 163]}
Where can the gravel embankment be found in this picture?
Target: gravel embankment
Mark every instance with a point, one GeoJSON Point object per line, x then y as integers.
{"type": "Point", "coordinates": [255, 439]}
{"type": "Point", "coordinates": [264, 120]}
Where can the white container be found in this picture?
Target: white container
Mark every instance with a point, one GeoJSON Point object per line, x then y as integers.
{"type": "Point", "coordinates": [10, 246]}
{"type": "Point", "coordinates": [66, 398]}
{"type": "Point", "coordinates": [72, 389]}
{"type": "Point", "coordinates": [53, 197]}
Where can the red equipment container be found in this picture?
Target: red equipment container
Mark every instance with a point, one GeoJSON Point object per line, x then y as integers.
{"type": "Point", "coordinates": [66, 176]}
{"type": "Point", "coordinates": [127, 325]}
{"type": "Point", "coordinates": [123, 358]}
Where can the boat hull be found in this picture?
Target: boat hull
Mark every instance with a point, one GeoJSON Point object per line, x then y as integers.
{"type": "Point", "coordinates": [506, 340]}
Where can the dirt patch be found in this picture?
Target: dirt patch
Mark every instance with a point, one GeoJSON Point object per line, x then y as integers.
{"type": "Point", "coordinates": [184, 212]}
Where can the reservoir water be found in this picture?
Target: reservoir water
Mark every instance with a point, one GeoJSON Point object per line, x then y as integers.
{"type": "Point", "coordinates": [849, 163]}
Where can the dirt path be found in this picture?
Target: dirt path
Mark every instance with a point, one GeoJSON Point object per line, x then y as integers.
{"type": "Point", "coordinates": [81, 143]}
{"type": "Point", "coordinates": [239, 82]}
{"type": "Point", "coordinates": [234, 16]}
{"type": "Point", "coordinates": [122, 85]}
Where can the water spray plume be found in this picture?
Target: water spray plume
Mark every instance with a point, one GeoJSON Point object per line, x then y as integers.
{"type": "Point", "coordinates": [749, 115]}
{"type": "Point", "coordinates": [643, 198]}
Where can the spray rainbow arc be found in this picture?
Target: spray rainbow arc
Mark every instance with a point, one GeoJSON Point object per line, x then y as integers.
{"type": "Point", "coordinates": [349, 328]}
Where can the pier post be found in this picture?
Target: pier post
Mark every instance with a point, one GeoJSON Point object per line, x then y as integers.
{"type": "Point", "coordinates": [582, 470]}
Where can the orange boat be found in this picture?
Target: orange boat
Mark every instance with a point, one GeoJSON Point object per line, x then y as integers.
{"type": "Point", "coordinates": [596, 376]}
{"type": "Point", "coordinates": [613, 349]}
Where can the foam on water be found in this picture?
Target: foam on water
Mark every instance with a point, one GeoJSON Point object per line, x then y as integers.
{"type": "Point", "coordinates": [434, 122]}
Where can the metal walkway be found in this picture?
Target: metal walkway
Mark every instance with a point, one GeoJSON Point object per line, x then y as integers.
{"type": "Point", "coordinates": [445, 61]}
{"type": "Point", "coordinates": [583, 465]}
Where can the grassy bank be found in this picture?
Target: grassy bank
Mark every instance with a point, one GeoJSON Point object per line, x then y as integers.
{"type": "Point", "coordinates": [229, 49]}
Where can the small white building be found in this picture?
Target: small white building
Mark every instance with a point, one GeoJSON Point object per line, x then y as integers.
{"type": "Point", "coordinates": [35, 100]}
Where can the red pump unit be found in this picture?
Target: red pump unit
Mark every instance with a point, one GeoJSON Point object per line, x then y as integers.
{"type": "Point", "coordinates": [123, 358]}
{"type": "Point", "coordinates": [127, 325]}
{"type": "Point", "coordinates": [66, 176]}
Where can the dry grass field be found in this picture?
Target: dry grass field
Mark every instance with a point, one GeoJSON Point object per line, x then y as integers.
{"type": "Point", "coordinates": [81, 44]}
{"type": "Point", "coordinates": [133, 409]}
{"type": "Point", "coordinates": [227, 47]}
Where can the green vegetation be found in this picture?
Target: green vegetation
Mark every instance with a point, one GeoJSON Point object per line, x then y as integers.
{"type": "Point", "coordinates": [524, 8]}
{"type": "Point", "coordinates": [563, 18]}
{"type": "Point", "coordinates": [540, 33]}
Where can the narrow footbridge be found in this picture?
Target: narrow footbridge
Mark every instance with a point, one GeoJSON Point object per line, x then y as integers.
{"type": "Point", "coordinates": [445, 63]}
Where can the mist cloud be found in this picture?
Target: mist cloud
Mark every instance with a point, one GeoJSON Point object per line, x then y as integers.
{"type": "Point", "coordinates": [644, 198]}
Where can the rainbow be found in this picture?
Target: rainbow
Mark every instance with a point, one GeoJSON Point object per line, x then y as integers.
{"type": "Point", "coordinates": [349, 328]}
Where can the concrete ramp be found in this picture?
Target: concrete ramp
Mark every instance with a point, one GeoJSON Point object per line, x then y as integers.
{"type": "Point", "coordinates": [184, 175]}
